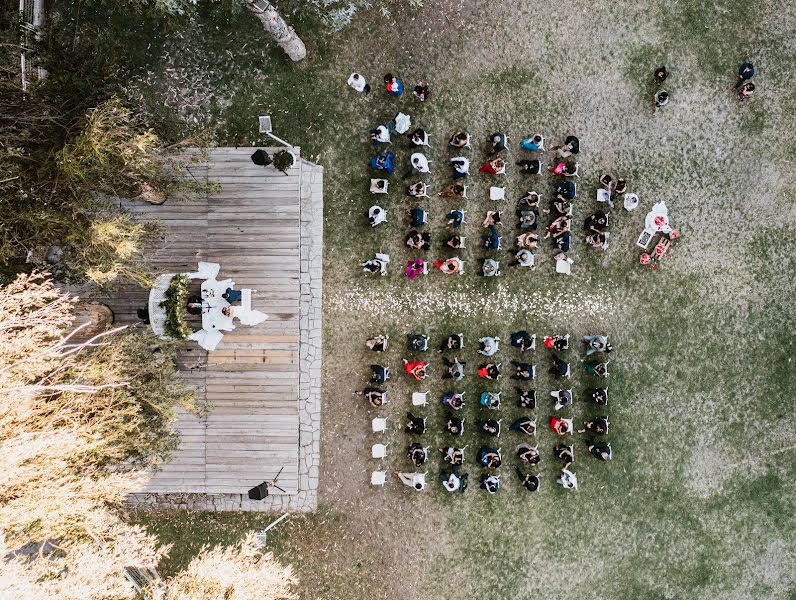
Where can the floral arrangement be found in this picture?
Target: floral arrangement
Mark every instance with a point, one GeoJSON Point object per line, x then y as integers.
{"type": "Point", "coordinates": [283, 160]}
{"type": "Point", "coordinates": [174, 304]}
{"type": "Point", "coordinates": [661, 249]}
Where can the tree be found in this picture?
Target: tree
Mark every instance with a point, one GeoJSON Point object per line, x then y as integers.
{"type": "Point", "coordinates": [274, 24]}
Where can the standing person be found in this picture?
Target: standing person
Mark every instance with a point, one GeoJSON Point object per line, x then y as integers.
{"type": "Point", "coordinates": [661, 99]}
{"type": "Point", "coordinates": [745, 72]}
{"type": "Point", "coordinates": [393, 85]}
{"type": "Point", "coordinates": [356, 81]}
{"type": "Point", "coordinates": [421, 91]}
{"type": "Point", "coordinates": [528, 481]}
{"type": "Point", "coordinates": [661, 74]}
{"type": "Point", "coordinates": [568, 479]}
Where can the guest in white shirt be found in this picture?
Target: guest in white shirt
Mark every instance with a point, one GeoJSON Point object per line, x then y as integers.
{"type": "Point", "coordinates": [358, 82]}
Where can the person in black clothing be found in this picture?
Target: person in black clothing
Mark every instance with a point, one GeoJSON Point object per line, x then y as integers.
{"type": "Point", "coordinates": [379, 374]}
{"type": "Point", "coordinates": [530, 166]}
{"type": "Point", "coordinates": [597, 221]}
{"type": "Point", "coordinates": [565, 452]}
{"type": "Point", "coordinates": [597, 395]}
{"type": "Point", "coordinates": [566, 190]}
{"type": "Point", "coordinates": [417, 454]}
{"type": "Point", "coordinates": [527, 399]}
{"type": "Point", "coordinates": [660, 75]}
{"type": "Point", "coordinates": [523, 340]}
{"type": "Point", "coordinates": [526, 425]}
{"type": "Point", "coordinates": [529, 482]}
{"type": "Point", "coordinates": [489, 427]}
{"type": "Point", "coordinates": [454, 425]}
{"type": "Point", "coordinates": [498, 141]}
{"type": "Point", "coordinates": [452, 342]}
{"type": "Point", "coordinates": [416, 425]}
{"type": "Point", "coordinates": [417, 342]}
{"type": "Point", "coordinates": [598, 425]}
{"type": "Point", "coordinates": [374, 395]}
{"type": "Point", "coordinates": [524, 371]}
{"type": "Point", "coordinates": [560, 368]}
{"type": "Point", "coordinates": [528, 453]}
{"type": "Point", "coordinates": [600, 450]}
{"type": "Point", "coordinates": [489, 457]}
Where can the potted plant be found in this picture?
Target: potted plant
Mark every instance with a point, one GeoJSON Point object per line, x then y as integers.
{"type": "Point", "coordinates": [283, 160]}
{"type": "Point", "coordinates": [174, 304]}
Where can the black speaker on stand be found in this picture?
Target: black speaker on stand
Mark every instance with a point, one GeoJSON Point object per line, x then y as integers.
{"type": "Point", "coordinates": [260, 492]}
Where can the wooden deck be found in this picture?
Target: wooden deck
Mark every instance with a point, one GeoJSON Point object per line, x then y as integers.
{"type": "Point", "coordinates": [252, 228]}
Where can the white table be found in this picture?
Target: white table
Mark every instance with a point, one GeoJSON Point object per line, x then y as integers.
{"type": "Point", "coordinates": [213, 319]}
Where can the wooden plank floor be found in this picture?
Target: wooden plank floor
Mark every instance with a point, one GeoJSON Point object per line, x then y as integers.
{"type": "Point", "coordinates": [251, 227]}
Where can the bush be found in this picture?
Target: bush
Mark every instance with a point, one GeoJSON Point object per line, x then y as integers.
{"type": "Point", "coordinates": [176, 297]}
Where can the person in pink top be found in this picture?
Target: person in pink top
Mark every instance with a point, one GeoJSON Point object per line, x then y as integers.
{"type": "Point", "coordinates": [414, 268]}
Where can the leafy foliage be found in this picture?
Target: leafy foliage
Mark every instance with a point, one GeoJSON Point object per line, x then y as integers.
{"type": "Point", "coordinates": [176, 297]}
{"type": "Point", "coordinates": [283, 160]}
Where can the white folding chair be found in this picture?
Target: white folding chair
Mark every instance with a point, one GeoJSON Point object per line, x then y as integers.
{"type": "Point", "coordinates": [497, 193]}
{"type": "Point", "coordinates": [464, 194]}
{"type": "Point", "coordinates": [419, 398]}
{"type": "Point", "coordinates": [378, 478]}
{"type": "Point", "coordinates": [378, 451]}
{"type": "Point", "coordinates": [379, 425]}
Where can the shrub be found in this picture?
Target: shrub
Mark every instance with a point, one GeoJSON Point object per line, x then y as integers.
{"type": "Point", "coordinates": [283, 160]}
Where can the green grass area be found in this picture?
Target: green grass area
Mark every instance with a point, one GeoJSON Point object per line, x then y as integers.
{"type": "Point", "coordinates": [699, 500]}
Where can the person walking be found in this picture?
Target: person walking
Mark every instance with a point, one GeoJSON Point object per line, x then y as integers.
{"type": "Point", "coordinates": [356, 81]}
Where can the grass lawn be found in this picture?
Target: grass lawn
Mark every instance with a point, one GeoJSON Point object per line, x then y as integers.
{"type": "Point", "coordinates": [699, 499]}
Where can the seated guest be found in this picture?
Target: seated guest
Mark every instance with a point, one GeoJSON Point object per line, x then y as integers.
{"type": "Point", "coordinates": [454, 481]}
{"type": "Point", "coordinates": [564, 452]}
{"type": "Point", "coordinates": [231, 295]}
{"type": "Point", "coordinates": [452, 342]}
{"type": "Point", "coordinates": [194, 305]}
{"type": "Point", "coordinates": [523, 340]}
{"type": "Point", "coordinates": [523, 258]}
{"type": "Point", "coordinates": [490, 268]}
{"type": "Point", "coordinates": [534, 143]}
{"type": "Point", "coordinates": [454, 190]}
{"type": "Point", "coordinates": [379, 374]}
{"type": "Point", "coordinates": [419, 137]}
{"type": "Point", "coordinates": [373, 395]}
{"type": "Point", "coordinates": [528, 219]}
{"type": "Point", "coordinates": [491, 241]}
{"type": "Point", "coordinates": [455, 241]}
{"type": "Point", "coordinates": [597, 221]}
{"type": "Point", "coordinates": [530, 200]}
{"type": "Point", "coordinates": [461, 167]}
{"type": "Point", "coordinates": [454, 425]}
{"type": "Point", "coordinates": [563, 398]}
{"type": "Point", "coordinates": [600, 450]}
{"type": "Point", "coordinates": [417, 454]}
{"type": "Point", "coordinates": [380, 135]}
{"type": "Point", "coordinates": [455, 218]}
{"type": "Point", "coordinates": [530, 167]}
{"type": "Point", "coordinates": [528, 453]}
{"type": "Point", "coordinates": [378, 343]}
{"type": "Point", "coordinates": [376, 265]}
{"type": "Point", "coordinates": [526, 425]}
{"type": "Point", "coordinates": [453, 456]}
{"type": "Point", "coordinates": [597, 240]}
{"type": "Point", "coordinates": [417, 217]}
{"type": "Point", "coordinates": [492, 218]}
{"type": "Point", "coordinates": [561, 207]}
{"type": "Point", "coordinates": [566, 190]}
{"type": "Point", "coordinates": [489, 457]}
{"type": "Point", "coordinates": [379, 186]}
{"type": "Point", "coordinates": [415, 268]}
{"type": "Point", "coordinates": [451, 265]}
{"type": "Point", "coordinates": [560, 368]}
{"type": "Point", "coordinates": [419, 163]}
{"type": "Point", "coordinates": [419, 189]}
{"type": "Point", "coordinates": [529, 482]}
{"type": "Point", "coordinates": [489, 371]}
{"type": "Point", "coordinates": [376, 215]}
{"type": "Point", "coordinates": [556, 342]}
{"type": "Point", "coordinates": [744, 92]}
{"type": "Point", "coordinates": [489, 427]}
{"type": "Point", "coordinates": [565, 169]}
{"type": "Point", "coordinates": [490, 483]}
{"type": "Point", "coordinates": [597, 395]}
{"type": "Point", "coordinates": [416, 425]}
{"type": "Point", "coordinates": [527, 399]}
{"type": "Point", "coordinates": [568, 480]}
{"type": "Point", "coordinates": [417, 240]}
{"type": "Point", "coordinates": [460, 139]}
{"type": "Point", "coordinates": [528, 240]}
{"type": "Point", "coordinates": [453, 400]}
{"type": "Point", "coordinates": [562, 240]}
{"type": "Point", "coordinates": [596, 343]}
{"type": "Point", "coordinates": [498, 142]}
{"type": "Point", "coordinates": [561, 426]}
{"type": "Point", "coordinates": [383, 162]}
{"type": "Point", "coordinates": [417, 342]}
{"type": "Point", "coordinates": [571, 146]}
{"type": "Point", "coordinates": [598, 425]}
{"type": "Point", "coordinates": [596, 369]}
{"type": "Point", "coordinates": [558, 226]}
{"type": "Point", "coordinates": [524, 371]}
{"type": "Point", "coordinates": [488, 346]}
{"type": "Point", "coordinates": [490, 400]}
{"type": "Point", "coordinates": [495, 166]}
{"type": "Point", "coordinates": [416, 368]}
{"type": "Point", "coordinates": [455, 369]}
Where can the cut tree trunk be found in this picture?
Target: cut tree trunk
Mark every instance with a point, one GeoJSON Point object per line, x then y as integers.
{"type": "Point", "coordinates": [283, 33]}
